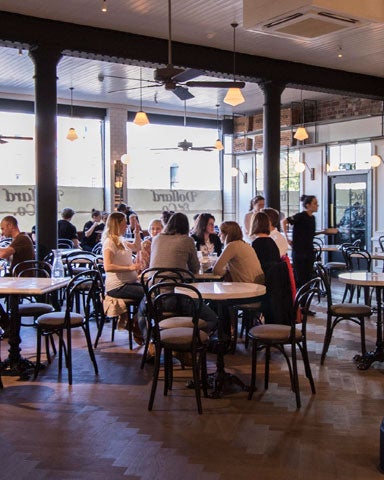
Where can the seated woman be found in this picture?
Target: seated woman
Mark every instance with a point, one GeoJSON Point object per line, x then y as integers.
{"type": "Point", "coordinates": [264, 246]}
{"type": "Point", "coordinates": [121, 271]}
{"type": "Point", "coordinates": [154, 228]}
{"type": "Point", "coordinates": [174, 248]}
{"type": "Point", "coordinates": [238, 261]}
{"type": "Point", "coordinates": [207, 241]}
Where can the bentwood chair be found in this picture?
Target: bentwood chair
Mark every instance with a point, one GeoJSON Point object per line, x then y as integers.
{"type": "Point", "coordinates": [357, 261]}
{"type": "Point", "coordinates": [166, 304]}
{"type": "Point", "coordinates": [62, 323]}
{"type": "Point", "coordinates": [64, 243]}
{"type": "Point", "coordinates": [154, 275]}
{"type": "Point", "coordinates": [278, 336]}
{"type": "Point", "coordinates": [337, 312]}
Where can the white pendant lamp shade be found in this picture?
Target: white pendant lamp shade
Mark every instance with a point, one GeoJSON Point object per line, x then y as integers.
{"type": "Point", "coordinates": [125, 159]}
{"type": "Point", "coordinates": [141, 119]}
{"type": "Point", "coordinates": [375, 161]}
{"type": "Point", "coordinates": [301, 134]}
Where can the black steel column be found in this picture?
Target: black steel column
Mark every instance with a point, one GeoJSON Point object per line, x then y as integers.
{"type": "Point", "coordinates": [271, 142]}
{"type": "Point", "coordinates": [45, 60]}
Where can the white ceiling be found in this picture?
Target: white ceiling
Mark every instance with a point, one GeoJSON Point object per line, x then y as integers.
{"type": "Point", "coordinates": [201, 22]}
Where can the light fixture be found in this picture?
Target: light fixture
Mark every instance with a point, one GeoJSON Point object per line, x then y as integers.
{"type": "Point", "coordinates": [340, 52]}
{"type": "Point", "coordinates": [301, 166]}
{"type": "Point", "coordinates": [141, 118]}
{"type": "Point", "coordinates": [376, 160]}
{"type": "Point", "coordinates": [125, 158]}
{"type": "Point", "coordinates": [72, 135]}
{"type": "Point", "coordinates": [234, 96]}
{"type": "Point", "coordinates": [218, 144]}
{"type": "Point", "coordinates": [104, 6]}
{"type": "Point", "coordinates": [119, 182]}
{"type": "Point", "coordinates": [235, 172]}
{"type": "Point", "coordinates": [301, 133]}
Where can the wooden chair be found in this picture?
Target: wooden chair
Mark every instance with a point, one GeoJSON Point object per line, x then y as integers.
{"type": "Point", "coordinates": [64, 243]}
{"type": "Point", "coordinates": [278, 336]}
{"type": "Point", "coordinates": [165, 304]}
{"type": "Point", "coordinates": [337, 312]}
{"type": "Point", "coordinates": [357, 261]}
{"type": "Point", "coordinates": [153, 275]}
{"type": "Point", "coordinates": [62, 323]}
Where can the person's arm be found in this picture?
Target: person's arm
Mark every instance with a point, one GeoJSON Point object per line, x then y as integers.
{"type": "Point", "coordinates": [109, 266]}
{"type": "Point", "coordinates": [328, 231]}
{"type": "Point", "coordinates": [284, 225]}
{"type": "Point", "coordinates": [7, 252]}
{"type": "Point", "coordinates": [136, 245]}
{"type": "Point", "coordinates": [220, 266]}
{"type": "Point", "coordinates": [91, 229]}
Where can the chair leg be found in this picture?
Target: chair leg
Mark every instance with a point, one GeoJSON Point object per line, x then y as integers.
{"type": "Point", "coordinates": [327, 339]}
{"type": "Point", "coordinates": [156, 370]}
{"type": "Point", "coordinates": [38, 352]}
{"type": "Point", "coordinates": [307, 365]}
{"type": "Point", "coordinates": [204, 373]}
{"type": "Point", "coordinates": [266, 373]}
{"type": "Point", "coordinates": [69, 355]}
{"type": "Point", "coordinates": [100, 328]}
{"type": "Point", "coordinates": [90, 349]}
{"type": "Point", "coordinates": [252, 386]}
{"type": "Point", "coordinates": [295, 377]}
{"type": "Point", "coordinates": [196, 380]}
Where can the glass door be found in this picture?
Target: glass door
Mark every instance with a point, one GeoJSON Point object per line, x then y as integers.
{"type": "Point", "coordinates": [349, 207]}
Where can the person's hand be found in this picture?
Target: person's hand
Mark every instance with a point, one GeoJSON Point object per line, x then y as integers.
{"type": "Point", "coordinates": [331, 231]}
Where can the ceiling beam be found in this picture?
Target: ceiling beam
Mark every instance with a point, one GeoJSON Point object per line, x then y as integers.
{"type": "Point", "coordinates": [120, 47]}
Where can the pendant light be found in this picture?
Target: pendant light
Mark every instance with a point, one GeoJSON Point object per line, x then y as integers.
{"type": "Point", "coordinates": [218, 144]}
{"type": "Point", "coordinates": [72, 135]}
{"type": "Point", "coordinates": [104, 8]}
{"type": "Point", "coordinates": [301, 133]}
{"type": "Point", "coordinates": [234, 96]}
{"type": "Point", "coordinates": [141, 118]}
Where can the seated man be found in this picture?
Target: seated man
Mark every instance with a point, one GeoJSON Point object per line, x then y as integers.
{"type": "Point", "coordinates": [66, 229]}
{"type": "Point", "coordinates": [20, 249]}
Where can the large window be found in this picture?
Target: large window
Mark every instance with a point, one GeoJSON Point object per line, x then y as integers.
{"type": "Point", "coordinates": [157, 162]}
{"type": "Point", "coordinates": [79, 163]}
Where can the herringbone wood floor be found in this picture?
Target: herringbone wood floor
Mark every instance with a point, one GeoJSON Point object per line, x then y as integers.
{"type": "Point", "coordinates": [100, 427]}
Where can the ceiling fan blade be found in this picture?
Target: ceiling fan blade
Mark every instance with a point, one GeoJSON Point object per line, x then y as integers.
{"type": "Point", "coordinates": [165, 148]}
{"type": "Point", "coordinates": [102, 76]}
{"type": "Point", "coordinates": [215, 84]}
{"type": "Point", "coordinates": [14, 137]}
{"type": "Point", "coordinates": [2, 142]}
{"type": "Point", "coordinates": [203, 149]}
{"type": "Point", "coordinates": [183, 93]}
{"type": "Point", "coordinates": [188, 74]}
{"type": "Point", "coordinates": [133, 88]}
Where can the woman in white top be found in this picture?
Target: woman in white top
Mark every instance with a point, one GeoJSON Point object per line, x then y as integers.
{"type": "Point", "coordinates": [238, 261]}
{"type": "Point", "coordinates": [278, 237]}
{"type": "Point", "coordinates": [121, 271]}
{"type": "Point", "coordinates": [257, 204]}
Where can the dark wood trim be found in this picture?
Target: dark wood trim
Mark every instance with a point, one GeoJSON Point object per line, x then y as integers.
{"type": "Point", "coordinates": [121, 47]}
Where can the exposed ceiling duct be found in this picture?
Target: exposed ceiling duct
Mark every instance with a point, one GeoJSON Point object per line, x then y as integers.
{"type": "Point", "coordinates": [309, 19]}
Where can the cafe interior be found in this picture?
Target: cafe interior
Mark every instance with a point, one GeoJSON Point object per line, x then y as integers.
{"type": "Point", "coordinates": [291, 96]}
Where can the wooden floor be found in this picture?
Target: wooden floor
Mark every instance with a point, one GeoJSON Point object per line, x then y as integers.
{"type": "Point", "coordinates": [100, 427]}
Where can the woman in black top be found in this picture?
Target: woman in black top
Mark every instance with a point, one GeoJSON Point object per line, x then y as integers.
{"type": "Point", "coordinates": [205, 236]}
{"type": "Point", "coordinates": [264, 246]}
{"type": "Point", "coordinates": [92, 231]}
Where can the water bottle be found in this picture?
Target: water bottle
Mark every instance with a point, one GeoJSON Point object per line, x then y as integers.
{"type": "Point", "coordinates": [57, 265]}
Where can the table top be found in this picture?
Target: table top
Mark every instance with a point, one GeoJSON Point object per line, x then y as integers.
{"type": "Point", "coordinates": [226, 290]}
{"type": "Point", "coordinates": [207, 276]}
{"type": "Point", "coordinates": [30, 285]}
{"type": "Point", "coordinates": [330, 248]}
{"type": "Point", "coordinates": [370, 279]}
{"type": "Point", "coordinates": [377, 256]}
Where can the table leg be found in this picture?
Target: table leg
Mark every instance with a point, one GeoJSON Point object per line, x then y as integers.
{"type": "Point", "coordinates": [15, 364]}
{"type": "Point", "coordinates": [224, 382]}
{"type": "Point", "coordinates": [365, 361]}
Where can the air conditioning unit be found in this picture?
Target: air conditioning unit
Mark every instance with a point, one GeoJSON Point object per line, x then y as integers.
{"type": "Point", "coordinates": [309, 19]}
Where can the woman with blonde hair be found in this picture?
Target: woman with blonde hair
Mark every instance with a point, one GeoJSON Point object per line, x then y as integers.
{"type": "Point", "coordinates": [121, 271]}
{"type": "Point", "coordinates": [154, 228]}
{"type": "Point", "coordinates": [238, 261]}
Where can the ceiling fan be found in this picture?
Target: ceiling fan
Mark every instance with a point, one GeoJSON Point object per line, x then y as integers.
{"type": "Point", "coordinates": [176, 79]}
{"type": "Point", "coordinates": [184, 145]}
{"type": "Point", "coordinates": [5, 138]}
